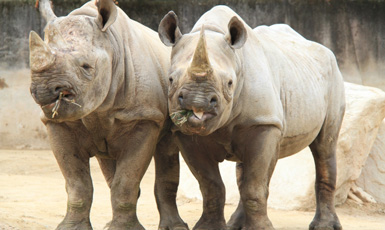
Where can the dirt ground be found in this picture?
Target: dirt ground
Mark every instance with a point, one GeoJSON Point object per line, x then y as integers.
{"type": "Point", "coordinates": [32, 196]}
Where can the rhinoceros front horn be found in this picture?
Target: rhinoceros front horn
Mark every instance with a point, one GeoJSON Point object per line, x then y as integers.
{"type": "Point", "coordinates": [40, 54]}
{"type": "Point", "coordinates": [200, 66]}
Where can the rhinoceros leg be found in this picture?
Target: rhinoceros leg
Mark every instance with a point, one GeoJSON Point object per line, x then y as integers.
{"type": "Point", "coordinates": [166, 184]}
{"type": "Point", "coordinates": [108, 167]}
{"type": "Point", "coordinates": [259, 149]}
{"type": "Point", "coordinates": [324, 153]}
{"type": "Point", "coordinates": [134, 151]}
{"type": "Point", "coordinates": [74, 166]}
{"type": "Point", "coordinates": [237, 219]}
{"type": "Point", "coordinates": [206, 171]}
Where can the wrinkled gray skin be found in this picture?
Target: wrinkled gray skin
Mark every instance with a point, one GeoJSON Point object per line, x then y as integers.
{"type": "Point", "coordinates": [257, 96]}
{"type": "Point", "coordinates": [116, 70]}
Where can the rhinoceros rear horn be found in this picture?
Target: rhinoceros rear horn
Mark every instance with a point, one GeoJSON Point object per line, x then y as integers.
{"type": "Point", "coordinates": [200, 65]}
{"type": "Point", "coordinates": [236, 35]}
{"type": "Point", "coordinates": [40, 54]}
{"type": "Point", "coordinates": [46, 11]}
{"type": "Point", "coordinates": [108, 13]}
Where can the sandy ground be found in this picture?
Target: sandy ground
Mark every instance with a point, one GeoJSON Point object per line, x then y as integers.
{"type": "Point", "coordinates": [32, 196]}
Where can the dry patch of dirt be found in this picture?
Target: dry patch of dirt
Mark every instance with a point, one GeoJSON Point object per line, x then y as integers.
{"type": "Point", "coordinates": [32, 196]}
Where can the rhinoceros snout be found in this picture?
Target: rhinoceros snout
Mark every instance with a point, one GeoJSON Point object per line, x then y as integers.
{"type": "Point", "coordinates": [202, 102]}
{"type": "Point", "coordinates": [45, 96]}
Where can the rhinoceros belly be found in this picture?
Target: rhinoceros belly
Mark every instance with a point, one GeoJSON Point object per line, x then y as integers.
{"type": "Point", "coordinates": [305, 109]}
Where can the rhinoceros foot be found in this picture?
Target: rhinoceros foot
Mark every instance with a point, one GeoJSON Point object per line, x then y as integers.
{"type": "Point", "coordinates": [175, 227]}
{"type": "Point", "coordinates": [125, 226]}
{"type": "Point", "coordinates": [237, 222]}
{"type": "Point", "coordinates": [325, 225]}
{"type": "Point", "coordinates": [210, 225]}
{"type": "Point", "coordinates": [82, 225]}
{"type": "Point", "coordinates": [172, 222]}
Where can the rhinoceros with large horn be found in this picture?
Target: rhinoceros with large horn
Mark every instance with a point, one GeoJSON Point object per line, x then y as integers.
{"type": "Point", "coordinates": [101, 81]}
{"type": "Point", "coordinates": [252, 96]}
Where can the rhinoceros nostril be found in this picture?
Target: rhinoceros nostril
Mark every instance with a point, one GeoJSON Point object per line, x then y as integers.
{"type": "Point", "coordinates": [180, 98]}
{"type": "Point", "coordinates": [214, 101]}
{"type": "Point", "coordinates": [58, 90]}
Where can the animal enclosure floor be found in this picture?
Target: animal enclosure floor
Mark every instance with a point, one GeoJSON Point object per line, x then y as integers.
{"type": "Point", "coordinates": [32, 196]}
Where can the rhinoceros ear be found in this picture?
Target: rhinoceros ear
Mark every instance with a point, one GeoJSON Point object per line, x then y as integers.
{"type": "Point", "coordinates": [107, 13]}
{"type": "Point", "coordinates": [237, 35]}
{"type": "Point", "coordinates": [40, 54]}
{"type": "Point", "coordinates": [168, 29]}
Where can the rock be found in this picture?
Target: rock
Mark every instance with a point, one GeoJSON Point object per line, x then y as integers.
{"type": "Point", "coordinates": [372, 178]}
{"type": "Point", "coordinates": [292, 184]}
{"type": "Point", "coordinates": [364, 113]}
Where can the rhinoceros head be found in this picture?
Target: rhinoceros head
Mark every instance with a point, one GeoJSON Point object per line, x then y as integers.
{"type": "Point", "coordinates": [203, 74]}
{"type": "Point", "coordinates": [71, 69]}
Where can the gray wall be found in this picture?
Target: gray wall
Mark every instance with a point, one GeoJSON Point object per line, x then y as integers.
{"type": "Point", "coordinates": [353, 29]}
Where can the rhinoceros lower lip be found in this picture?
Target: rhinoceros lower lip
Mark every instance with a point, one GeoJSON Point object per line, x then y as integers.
{"type": "Point", "coordinates": [199, 119]}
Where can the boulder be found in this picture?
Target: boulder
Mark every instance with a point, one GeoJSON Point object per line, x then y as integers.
{"type": "Point", "coordinates": [292, 184]}
{"type": "Point", "coordinates": [372, 178]}
{"type": "Point", "coordinates": [365, 110]}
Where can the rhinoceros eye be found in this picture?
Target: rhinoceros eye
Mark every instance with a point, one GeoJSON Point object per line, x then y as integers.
{"type": "Point", "coordinates": [86, 66]}
{"type": "Point", "coordinates": [230, 83]}
{"type": "Point", "coordinates": [87, 71]}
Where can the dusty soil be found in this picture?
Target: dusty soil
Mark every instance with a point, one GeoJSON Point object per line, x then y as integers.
{"type": "Point", "coordinates": [32, 196]}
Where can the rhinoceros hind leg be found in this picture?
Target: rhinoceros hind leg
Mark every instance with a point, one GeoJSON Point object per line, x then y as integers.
{"type": "Point", "coordinates": [324, 153]}
{"type": "Point", "coordinates": [325, 225]}
{"type": "Point", "coordinates": [166, 184]}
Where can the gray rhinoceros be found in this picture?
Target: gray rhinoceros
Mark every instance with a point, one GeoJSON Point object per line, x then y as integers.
{"type": "Point", "coordinates": [252, 96]}
{"type": "Point", "coordinates": [101, 81]}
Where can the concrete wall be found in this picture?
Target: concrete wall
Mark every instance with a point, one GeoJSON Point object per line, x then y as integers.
{"type": "Point", "coordinates": [353, 29]}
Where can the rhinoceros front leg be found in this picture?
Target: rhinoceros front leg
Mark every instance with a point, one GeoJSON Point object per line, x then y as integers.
{"type": "Point", "coordinates": [166, 184]}
{"type": "Point", "coordinates": [134, 152]}
{"type": "Point", "coordinates": [197, 152]}
{"type": "Point", "coordinates": [237, 219]}
{"type": "Point", "coordinates": [74, 165]}
{"type": "Point", "coordinates": [258, 147]}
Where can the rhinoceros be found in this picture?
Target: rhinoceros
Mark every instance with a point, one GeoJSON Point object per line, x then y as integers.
{"type": "Point", "coordinates": [252, 96]}
{"type": "Point", "coordinates": [101, 81]}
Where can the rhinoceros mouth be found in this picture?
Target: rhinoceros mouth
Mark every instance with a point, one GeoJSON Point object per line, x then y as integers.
{"type": "Point", "coordinates": [191, 119]}
{"type": "Point", "coordinates": [53, 107]}
{"type": "Point", "coordinates": [63, 94]}
{"type": "Point", "coordinates": [199, 119]}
